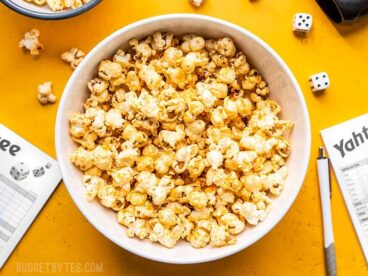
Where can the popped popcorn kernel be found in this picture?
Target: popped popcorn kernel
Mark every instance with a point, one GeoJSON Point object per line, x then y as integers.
{"type": "Point", "coordinates": [74, 56]}
{"type": "Point", "coordinates": [31, 42]}
{"type": "Point", "coordinates": [45, 95]}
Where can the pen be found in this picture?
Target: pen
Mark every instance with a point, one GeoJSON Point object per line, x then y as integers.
{"type": "Point", "coordinates": [325, 192]}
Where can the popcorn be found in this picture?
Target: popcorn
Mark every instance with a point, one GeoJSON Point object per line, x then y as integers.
{"type": "Point", "coordinates": [107, 195]}
{"type": "Point", "coordinates": [55, 5]}
{"type": "Point", "coordinates": [215, 159]}
{"type": "Point", "coordinates": [45, 94]}
{"type": "Point", "coordinates": [198, 199]}
{"type": "Point", "coordinates": [220, 237]}
{"type": "Point", "coordinates": [178, 137]}
{"type": "Point", "coordinates": [82, 158]}
{"type": "Point", "coordinates": [31, 42]}
{"type": "Point", "coordinates": [74, 56]}
{"type": "Point", "coordinates": [233, 223]}
{"type": "Point", "coordinates": [109, 70]}
{"type": "Point", "coordinates": [196, 3]}
{"type": "Point", "coordinates": [136, 198]}
{"type": "Point", "coordinates": [199, 238]}
{"type": "Point", "coordinates": [92, 185]}
{"type": "Point", "coordinates": [102, 158]}
{"type": "Point", "coordinates": [59, 5]}
{"type": "Point", "coordinates": [167, 217]}
{"type": "Point", "coordinates": [251, 213]}
{"type": "Point", "coordinates": [122, 176]}
{"type": "Point", "coordinates": [113, 119]}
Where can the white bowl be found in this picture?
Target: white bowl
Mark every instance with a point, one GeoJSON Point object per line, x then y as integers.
{"type": "Point", "coordinates": [284, 89]}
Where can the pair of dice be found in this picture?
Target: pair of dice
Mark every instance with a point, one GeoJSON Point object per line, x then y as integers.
{"type": "Point", "coordinates": [20, 171]}
{"type": "Point", "coordinates": [303, 23]}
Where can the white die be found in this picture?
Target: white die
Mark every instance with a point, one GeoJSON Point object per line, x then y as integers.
{"type": "Point", "coordinates": [38, 171]}
{"type": "Point", "coordinates": [319, 81]}
{"type": "Point", "coordinates": [302, 22]}
{"type": "Point", "coordinates": [19, 171]}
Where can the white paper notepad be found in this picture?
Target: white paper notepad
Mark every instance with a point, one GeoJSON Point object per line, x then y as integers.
{"type": "Point", "coordinates": [27, 178]}
{"type": "Point", "coordinates": [347, 146]}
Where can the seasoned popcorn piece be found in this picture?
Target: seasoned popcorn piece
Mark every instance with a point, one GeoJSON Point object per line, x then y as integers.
{"type": "Point", "coordinates": [274, 182]}
{"type": "Point", "coordinates": [196, 166]}
{"type": "Point", "coordinates": [102, 158]}
{"type": "Point", "coordinates": [220, 237]}
{"type": "Point", "coordinates": [196, 3]}
{"type": "Point", "coordinates": [167, 217]}
{"type": "Point", "coordinates": [233, 223]}
{"type": "Point", "coordinates": [125, 218]}
{"type": "Point", "coordinates": [152, 79]}
{"type": "Point", "coordinates": [107, 195]}
{"type": "Point", "coordinates": [162, 41]}
{"type": "Point", "coordinates": [136, 198]}
{"type": "Point", "coordinates": [215, 159]}
{"type": "Point", "coordinates": [198, 199]}
{"type": "Point", "coordinates": [109, 70]}
{"type": "Point", "coordinates": [31, 42]}
{"type": "Point", "coordinates": [92, 185]}
{"type": "Point", "coordinates": [45, 95]}
{"type": "Point", "coordinates": [74, 56]}
{"type": "Point", "coordinates": [74, 4]}
{"type": "Point", "coordinates": [114, 119]}
{"type": "Point", "coordinates": [199, 238]}
{"type": "Point", "coordinates": [56, 5]}
{"type": "Point", "coordinates": [82, 158]}
{"type": "Point", "coordinates": [123, 176]}
{"type": "Point", "coordinates": [251, 213]}
{"type": "Point", "coordinates": [226, 75]}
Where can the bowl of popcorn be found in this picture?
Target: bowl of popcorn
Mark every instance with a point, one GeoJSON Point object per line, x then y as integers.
{"type": "Point", "coordinates": [51, 9]}
{"type": "Point", "coordinates": [183, 138]}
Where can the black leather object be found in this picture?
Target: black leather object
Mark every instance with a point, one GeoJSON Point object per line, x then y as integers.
{"type": "Point", "coordinates": [344, 11]}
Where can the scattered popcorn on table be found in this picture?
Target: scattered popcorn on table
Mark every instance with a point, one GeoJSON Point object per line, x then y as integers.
{"type": "Point", "coordinates": [319, 81]}
{"type": "Point", "coordinates": [74, 56]}
{"type": "Point", "coordinates": [178, 137]}
{"type": "Point", "coordinates": [45, 95]}
{"type": "Point", "coordinates": [196, 3]}
{"type": "Point", "coordinates": [31, 42]}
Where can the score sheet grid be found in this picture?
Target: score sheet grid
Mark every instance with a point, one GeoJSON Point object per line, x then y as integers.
{"type": "Point", "coordinates": [15, 202]}
{"type": "Point", "coordinates": [356, 178]}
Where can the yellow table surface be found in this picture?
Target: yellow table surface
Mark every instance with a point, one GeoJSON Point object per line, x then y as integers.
{"type": "Point", "coordinates": [61, 235]}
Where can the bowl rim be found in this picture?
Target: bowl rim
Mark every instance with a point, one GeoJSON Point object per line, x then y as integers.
{"type": "Point", "coordinates": [53, 15]}
{"type": "Point", "coordinates": [59, 152]}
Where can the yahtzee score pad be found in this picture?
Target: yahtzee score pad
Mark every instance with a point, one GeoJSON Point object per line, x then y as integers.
{"type": "Point", "coordinates": [27, 178]}
{"type": "Point", "coordinates": [347, 146]}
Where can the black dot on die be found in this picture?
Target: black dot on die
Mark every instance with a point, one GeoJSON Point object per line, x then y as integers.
{"type": "Point", "coordinates": [303, 20]}
{"type": "Point", "coordinates": [326, 83]}
{"type": "Point", "coordinates": [299, 24]}
{"type": "Point", "coordinates": [317, 78]}
{"type": "Point", "coordinates": [300, 16]}
{"type": "Point", "coordinates": [319, 85]}
{"type": "Point", "coordinates": [307, 25]}
{"type": "Point", "coordinates": [308, 17]}
{"type": "Point", "coordinates": [324, 76]}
